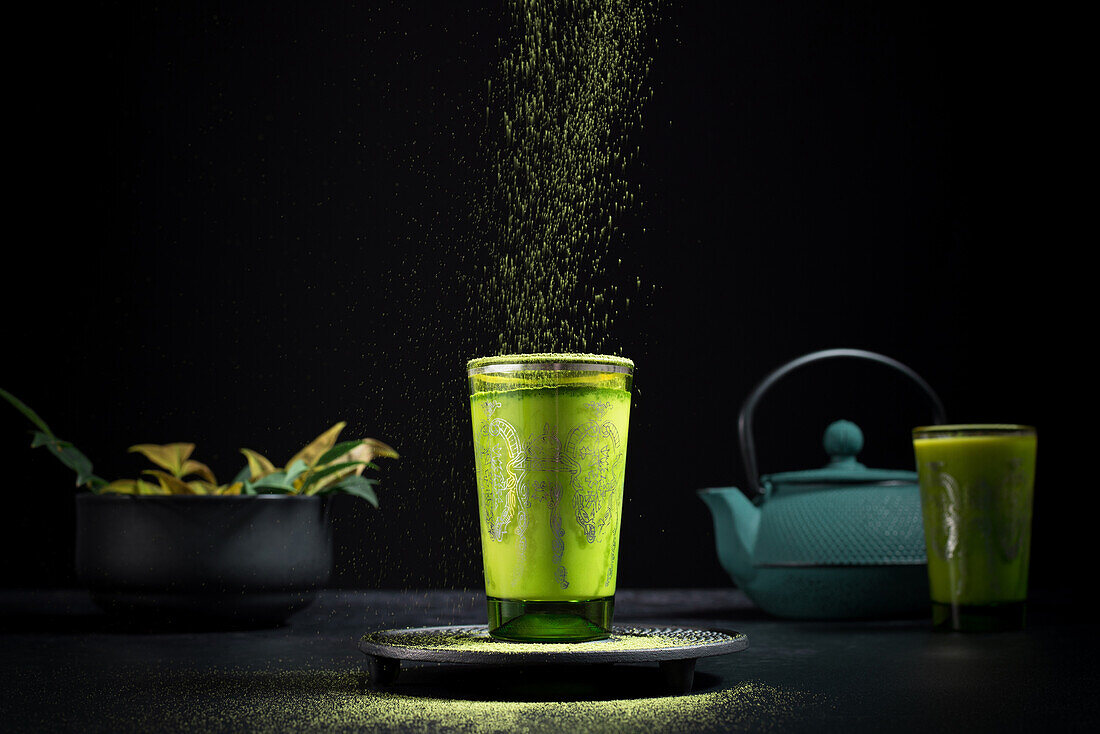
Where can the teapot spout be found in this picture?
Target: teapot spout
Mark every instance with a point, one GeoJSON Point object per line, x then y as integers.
{"type": "Point", "coordinates": [736, 521]}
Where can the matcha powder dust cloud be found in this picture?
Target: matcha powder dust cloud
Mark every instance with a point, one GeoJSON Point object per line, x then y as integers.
{"type": "Point", "coordinates": [567, 95]}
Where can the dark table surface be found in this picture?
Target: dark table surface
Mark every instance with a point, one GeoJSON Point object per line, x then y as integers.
{"type": "Point", "coordinates": [64, 666]}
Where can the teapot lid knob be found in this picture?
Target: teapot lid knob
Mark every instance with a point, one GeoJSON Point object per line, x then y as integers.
{"type": "Point", "coordinates": [843, 440]}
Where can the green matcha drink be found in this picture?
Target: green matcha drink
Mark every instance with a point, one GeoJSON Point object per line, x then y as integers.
{"type": "Point", "coordinates": [550, 449]}
{"type": "Point", "coordinates": [976, 486]}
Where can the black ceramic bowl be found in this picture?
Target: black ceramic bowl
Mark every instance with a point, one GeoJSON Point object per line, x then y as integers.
{"type": "Point", "coordinates": [249, 559]}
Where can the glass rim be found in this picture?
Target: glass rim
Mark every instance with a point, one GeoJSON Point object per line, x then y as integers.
{"type": "Point", "coordinates": [549, 362]}
{"type": "Point", "coordinates": [973, 429]}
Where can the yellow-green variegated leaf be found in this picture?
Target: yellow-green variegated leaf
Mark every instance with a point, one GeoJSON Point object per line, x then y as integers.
{"type": "Point", "coordinates": [203, 487]}
{"type": "Point", "coordinates": [169, 457]}
{"type": "Point", "coordinates": [323, 482]}
{"type": "Point", "coordinates": [197, 467]}
{"type": "Point", "coordinates": [258, 464]}
{"type": "Point", "coordinates": [170, 484]}
{"type": "Point", "coordinates": [381, 450]}
{"type": "Point", "coordinates": [149, 488]}
{"type": "Point", "coordinates": [123, 486]}
{"type": "Point", "coordinates": [318, 446]}
{"type": "Point", "coordinates": [132, 486]}
{"type": "Point", "coordinates": [368, 450]}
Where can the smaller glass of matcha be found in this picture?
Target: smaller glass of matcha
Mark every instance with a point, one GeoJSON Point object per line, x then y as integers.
{"type": "Point", "coordinates": [550, 449]}
{"type": "Point", "coordinates": [976, 486]}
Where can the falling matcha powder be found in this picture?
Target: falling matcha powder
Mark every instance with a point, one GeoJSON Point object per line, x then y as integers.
{"type": "Point", "coordinates": [568, 93]}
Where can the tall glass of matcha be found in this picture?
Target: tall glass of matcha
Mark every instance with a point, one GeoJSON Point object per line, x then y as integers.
{"type": "Point", "coordinates": [976, 485]}
{"type": "Point", "coordinates": [550, 449]}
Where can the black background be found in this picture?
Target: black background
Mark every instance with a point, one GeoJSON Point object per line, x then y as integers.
{"type": "Point", "coordinates": [236, 224]}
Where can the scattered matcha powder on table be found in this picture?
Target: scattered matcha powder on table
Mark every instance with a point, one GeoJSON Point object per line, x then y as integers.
{"type": "Point", "coordinates": [324, 700]}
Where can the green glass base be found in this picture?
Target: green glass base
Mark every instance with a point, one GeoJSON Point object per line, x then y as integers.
{"type": "Point", "coordinates": [516, 620]}
{"type": "Point", "coordinates": [996, 617]}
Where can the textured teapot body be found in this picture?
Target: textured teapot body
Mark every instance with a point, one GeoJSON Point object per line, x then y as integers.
{"type": "Point", "coordinates": [793, 559]}
{"type": "Point", "coordinates": [842, 526]}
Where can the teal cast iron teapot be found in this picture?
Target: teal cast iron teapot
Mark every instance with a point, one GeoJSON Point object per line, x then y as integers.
{"type": "Point", "coordinates": [843, 541]}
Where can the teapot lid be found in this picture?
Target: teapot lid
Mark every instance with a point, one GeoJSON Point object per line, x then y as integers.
{"type": "Point", "coordinates": [843, 440]}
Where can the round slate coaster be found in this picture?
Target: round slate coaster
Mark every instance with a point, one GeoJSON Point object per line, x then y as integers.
{"type": "Point", "coordinates": [675, 648]}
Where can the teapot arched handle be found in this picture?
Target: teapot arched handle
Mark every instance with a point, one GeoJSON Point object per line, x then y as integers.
{"type": "Point", "coordinates": [744, 420]}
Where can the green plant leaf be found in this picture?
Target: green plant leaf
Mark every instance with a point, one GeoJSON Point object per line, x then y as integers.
{"type": "Point", "coordinates": [316, 476]}
{"type": "Point", "coordinates": [331, 478]}
{"type": "Point", "coordinates": [357, 486]}
{"type": "Point", "coordinates": [274, 479]}
{"type": "Point", "coordinates": [26, 411]}
{"type": "Point", "coordinates": [336, 452]}
{"type": "Point", "coordinates": [270, 489]}
{"type": "Point", "coordinates": [46, 439]}
{"type": "Point", "coordinates": [275, 483]}
{"type": "Point", "coordinates": [244, 475]}
{"type": "Point", "coordinates": [71, 457]}
{"type": "Point", "coordinates": [295, 470]}
{"type": "Point", "coordinates": [65, 452]}
{"type": "Point", "coordinates": [81, 465]}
